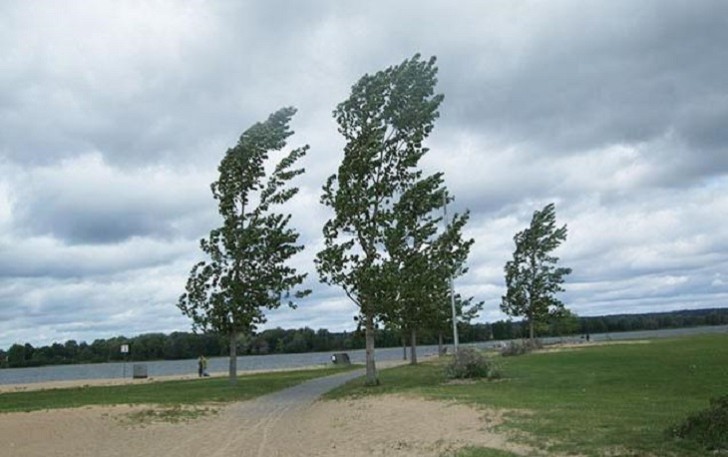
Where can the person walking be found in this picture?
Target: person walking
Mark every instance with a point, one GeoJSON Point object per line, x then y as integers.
{"type": "Point", "coordinates": [201, 366]}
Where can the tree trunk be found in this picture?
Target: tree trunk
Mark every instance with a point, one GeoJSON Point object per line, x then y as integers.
{"type": "Point", "coordinates": [413, 347]}
{"type": "Point", "coordinates": [233, 358]}
{"type": "Point", "coordinates": [372, 379]}
{"type": "Point", "coordinates": [530, 329]}
{"type": "Point", "coordinates": [440, 349]}
{"type": "Point", "coordinates": [404, 347]}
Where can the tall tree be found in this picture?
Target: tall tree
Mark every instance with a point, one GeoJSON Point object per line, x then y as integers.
{"type": "Point", "coordinates": [384, 122]}
{"type": "Point", "coordinates": [465, 310]}
{"type": "Point", "coordinates": [532, 277]}
{"type": "Point", "coordinates": [247, 271]}
{"type": "Point", "coordinates": [425, 258]}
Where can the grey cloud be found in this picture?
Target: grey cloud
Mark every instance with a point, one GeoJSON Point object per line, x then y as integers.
{"type": "Point", "coordinates": [46, 258]}
{"type": "Point", "coordinates": [617, 73]}
{"type": "Point", "coordinates": [85, 201]}
{"type": "Point", "coordinates": [129, 303]}
{"type": "Point", "coordinates": [113, 120]}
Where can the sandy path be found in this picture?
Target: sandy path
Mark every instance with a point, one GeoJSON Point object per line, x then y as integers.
{"type": "Point", "coordinates": [286, 423]}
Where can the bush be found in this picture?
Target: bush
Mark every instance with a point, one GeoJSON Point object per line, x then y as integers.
{"type": "Point", "coordinates": [521, 347]}
{"type": "Point", "coordinates": [708, 427]}
{"type": "Point", "coordinates": [468, 364]}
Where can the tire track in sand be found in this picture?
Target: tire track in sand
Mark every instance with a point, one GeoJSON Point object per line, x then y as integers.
{"type": "Point", "coordinates": [266, 411]}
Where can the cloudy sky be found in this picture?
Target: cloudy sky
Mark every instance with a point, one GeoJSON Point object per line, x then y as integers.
{"type": "Point", "coordinates": [114, 116]}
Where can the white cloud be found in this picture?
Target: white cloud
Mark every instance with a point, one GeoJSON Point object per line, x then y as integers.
{"type": "Point", "coordinates": [114, 116]}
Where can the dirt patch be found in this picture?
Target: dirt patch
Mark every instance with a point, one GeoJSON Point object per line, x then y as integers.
{"type": "Point", "coordinates": [398, 426]}
{"type": "Point", "coordinates": [388, 425]}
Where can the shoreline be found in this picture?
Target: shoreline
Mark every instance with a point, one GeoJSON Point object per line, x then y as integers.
{"type": "Point", "coordinates": [70, 384]}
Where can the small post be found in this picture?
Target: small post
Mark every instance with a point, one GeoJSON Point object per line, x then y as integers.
{"type": "Point", "coordinates": [125, 351]}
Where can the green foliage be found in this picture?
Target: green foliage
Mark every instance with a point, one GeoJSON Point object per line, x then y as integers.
{"type": "Point", "coordinates": [563, 323]}
{"type": "Point", "coordinates": [247, 271]}
{"type": "Point", "coordinates": [384, 121]}
{"type": "Point", "coordinates": [514, 348]}
{"type": "Point", "coordinates": [532, 277]}
{"type": "Point", "coordinates": [653, 321]}
{"type": "Point", "coordinates": [468, 363]}
{"type": "Point", "coordinates": [709, 427]}
{"type": "Point", "coordinates": [424, 260]}
{"type": "Point", "coordinates": [185, 345]}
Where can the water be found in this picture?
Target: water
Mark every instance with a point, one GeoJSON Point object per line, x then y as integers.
{"type": "Point", "coordinates": [115, 370]}
{"type": "Point", "coordinates": [281, 361]}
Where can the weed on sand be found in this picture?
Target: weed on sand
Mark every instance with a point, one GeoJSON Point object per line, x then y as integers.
{"type": "Point", "coordinates": [171, 414]}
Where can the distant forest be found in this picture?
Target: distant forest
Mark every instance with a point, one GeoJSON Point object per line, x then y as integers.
{"type": "Point", "coordinates": [183, 345]}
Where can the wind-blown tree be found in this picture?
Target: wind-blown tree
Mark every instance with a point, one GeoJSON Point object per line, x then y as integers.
{"type": "Point", "coordinates": [384, 122]}
{"type": "Point", "coordinates": [564, 323]}
{"type": "Point", "coordinates": [465, 309]}
{"type": "Point", "coordinates": [247, 272]}
{"type": "Point", "coordinates": [532, 277]}
{"type": "Point", "coordinates": [424, 258]}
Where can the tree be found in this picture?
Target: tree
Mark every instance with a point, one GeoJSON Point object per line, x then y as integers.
{"type": "Point", "coordinates": [564, 323]}
{"type": "Point", "coordinates": [425, 260]}
{"type": "Point", "coordinates": [384, 122]}
{"type": "Point", "coordinates": [247, 270]}
{"type": "Point", "coordinates": [532, 277]}
{"type": "Point", "coordinates": [465, 311]}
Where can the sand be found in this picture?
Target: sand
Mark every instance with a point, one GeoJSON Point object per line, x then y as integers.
{"type": "Point", "coordinates": [398, 426]}
{"type": "Point", "coordinates": [389, 425]}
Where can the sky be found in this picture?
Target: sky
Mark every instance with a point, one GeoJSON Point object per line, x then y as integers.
{"type": "Point", "coordinates": [115, 115]}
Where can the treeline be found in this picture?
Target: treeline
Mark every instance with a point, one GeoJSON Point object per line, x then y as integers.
{"type": "Point", "coordinates": [572, 324]}
{"type": "Point", "coordinates": [654, 321]}
{"type": "Point", "coordinates": [183, 345]}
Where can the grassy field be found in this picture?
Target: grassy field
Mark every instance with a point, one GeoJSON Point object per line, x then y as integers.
{"type": "Point", "coordinates": [597, 400]}
{"type": "Point", "coordinates": [188, 392]}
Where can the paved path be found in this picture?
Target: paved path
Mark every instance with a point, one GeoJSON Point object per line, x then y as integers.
{"type": "Point", "coordinates": [259, 421]}
{"type": "Point", "coordinates": [293, 398]}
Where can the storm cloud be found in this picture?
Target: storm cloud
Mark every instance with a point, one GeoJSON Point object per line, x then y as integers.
{"type": "Point", "coordinates": [114, 117]}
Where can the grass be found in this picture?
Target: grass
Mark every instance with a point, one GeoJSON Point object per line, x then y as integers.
{"type": "Point", "coordinates": [169, 393]}
{"type": "Point", "coordinates": [598, 400]}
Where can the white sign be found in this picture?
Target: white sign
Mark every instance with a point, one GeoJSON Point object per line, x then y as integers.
{"type": "Point", "coordinates": [124, 348]}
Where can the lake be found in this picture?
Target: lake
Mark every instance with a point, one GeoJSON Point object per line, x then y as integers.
{"type": "Point", "coordinates": [281, 361]}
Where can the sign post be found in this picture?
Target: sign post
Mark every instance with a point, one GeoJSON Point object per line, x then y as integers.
{"type": "Point", "coordinates": [125, 351]}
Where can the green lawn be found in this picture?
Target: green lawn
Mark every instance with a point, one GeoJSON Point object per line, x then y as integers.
{"type": "Point", "coordinates": [188, 392]}
{"type": "Point", "coordinates": [598, 400]}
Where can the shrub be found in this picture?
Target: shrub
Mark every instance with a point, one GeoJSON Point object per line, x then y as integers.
{"type": "Point", "coordinates": [468, 363]}
{"type": "Point", "coordinates": [708, 427]}
{"type": "Point", "coordinates": [521, 347]}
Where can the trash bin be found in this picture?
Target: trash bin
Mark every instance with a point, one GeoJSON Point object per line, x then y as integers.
{"type": "Point", "coordinates": [139, 371]}
{"type": "Point", "coordinates": [341, 358]}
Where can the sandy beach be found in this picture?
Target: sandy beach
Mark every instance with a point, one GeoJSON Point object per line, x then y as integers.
{"type": "Point", "coordinates": [390, 425]}
{"type": "Point", "coordinates": [381, 426]}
